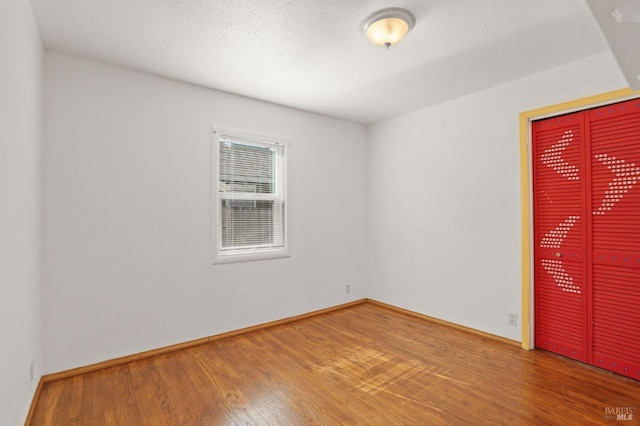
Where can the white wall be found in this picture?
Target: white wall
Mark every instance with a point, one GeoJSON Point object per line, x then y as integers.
{"type": "Point", "coordinates": [443, 196]}
{"type": "Point", "coordinates": [127, 193]}
{"type": "Point", "coordinates": [127, 186]}
{"type": "Point", "coordinates": [20, 200]}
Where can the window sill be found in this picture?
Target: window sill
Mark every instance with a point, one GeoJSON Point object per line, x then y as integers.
{"type": "Point", "coordinates": [235, 258]}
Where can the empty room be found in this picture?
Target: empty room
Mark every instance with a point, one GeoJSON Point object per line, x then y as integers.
{"type": "Point", "coordinates": [293, 212]}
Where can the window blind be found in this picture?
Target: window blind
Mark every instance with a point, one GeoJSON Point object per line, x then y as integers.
{"type": "Point", "coordinates": [250, 197]}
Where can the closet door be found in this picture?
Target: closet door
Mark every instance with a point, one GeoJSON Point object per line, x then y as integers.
{"type": "Point", "coordinates": [614, 142]}
{"type": "Point", "coordinates": [560, 235]}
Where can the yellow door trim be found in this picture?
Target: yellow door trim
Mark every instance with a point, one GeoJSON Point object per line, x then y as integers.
{"type": "Point", "coordinates": [525, 189]}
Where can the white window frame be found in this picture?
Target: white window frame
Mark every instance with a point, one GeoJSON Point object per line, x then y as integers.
{"type": "Point", "coordinates": [246, 254]}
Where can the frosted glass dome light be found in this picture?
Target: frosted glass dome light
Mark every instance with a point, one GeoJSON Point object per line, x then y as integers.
{"type": "Point", "coordinates": [388, 26]}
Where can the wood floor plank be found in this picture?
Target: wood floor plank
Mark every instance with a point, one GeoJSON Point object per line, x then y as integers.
{"type": "Point", "coordinates": [361, 365]}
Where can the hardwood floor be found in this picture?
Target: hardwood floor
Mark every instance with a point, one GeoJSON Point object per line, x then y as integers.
{"type": "Point", "coordinates": [360, 365]}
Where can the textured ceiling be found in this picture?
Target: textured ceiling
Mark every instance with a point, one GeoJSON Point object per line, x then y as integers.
{"type": "Point", "coordinates": [311, 54]}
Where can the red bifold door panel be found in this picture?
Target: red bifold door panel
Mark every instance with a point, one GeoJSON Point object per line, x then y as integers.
{"type": "Point", "coordinates": [559, 223]}
{"type": "Point", "coordinates": [586, 185]}
{"type": "Point", "coordinates": [614, 161]}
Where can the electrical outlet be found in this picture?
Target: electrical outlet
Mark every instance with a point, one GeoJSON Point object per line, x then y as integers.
{"type": "Point", "coordinates": [513, 319]}
{"type": "Point", "coordinates": [348, 288]}
{"type": "Point", "coordinates": [32, 370]}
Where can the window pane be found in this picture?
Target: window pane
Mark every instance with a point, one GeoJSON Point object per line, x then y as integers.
{"type": "Point", "coordinates": [247, 168]}
{"type": "Point", "coordinates": [251, 224]}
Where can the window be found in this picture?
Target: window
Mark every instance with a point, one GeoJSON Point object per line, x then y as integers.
{"type": "Point", "coordinates": [251, 197]}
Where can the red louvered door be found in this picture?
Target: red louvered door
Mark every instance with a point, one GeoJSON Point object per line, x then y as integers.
{"type": "Point", "coordinates": [559, 256]}
{"type": "Point", "coordinates": [614, 141]}
{"type": "Point", "coordinates": [587, 236]}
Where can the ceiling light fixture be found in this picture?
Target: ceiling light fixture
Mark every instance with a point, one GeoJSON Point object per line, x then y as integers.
{"type": "Point", "coordinates": [388, 26]}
